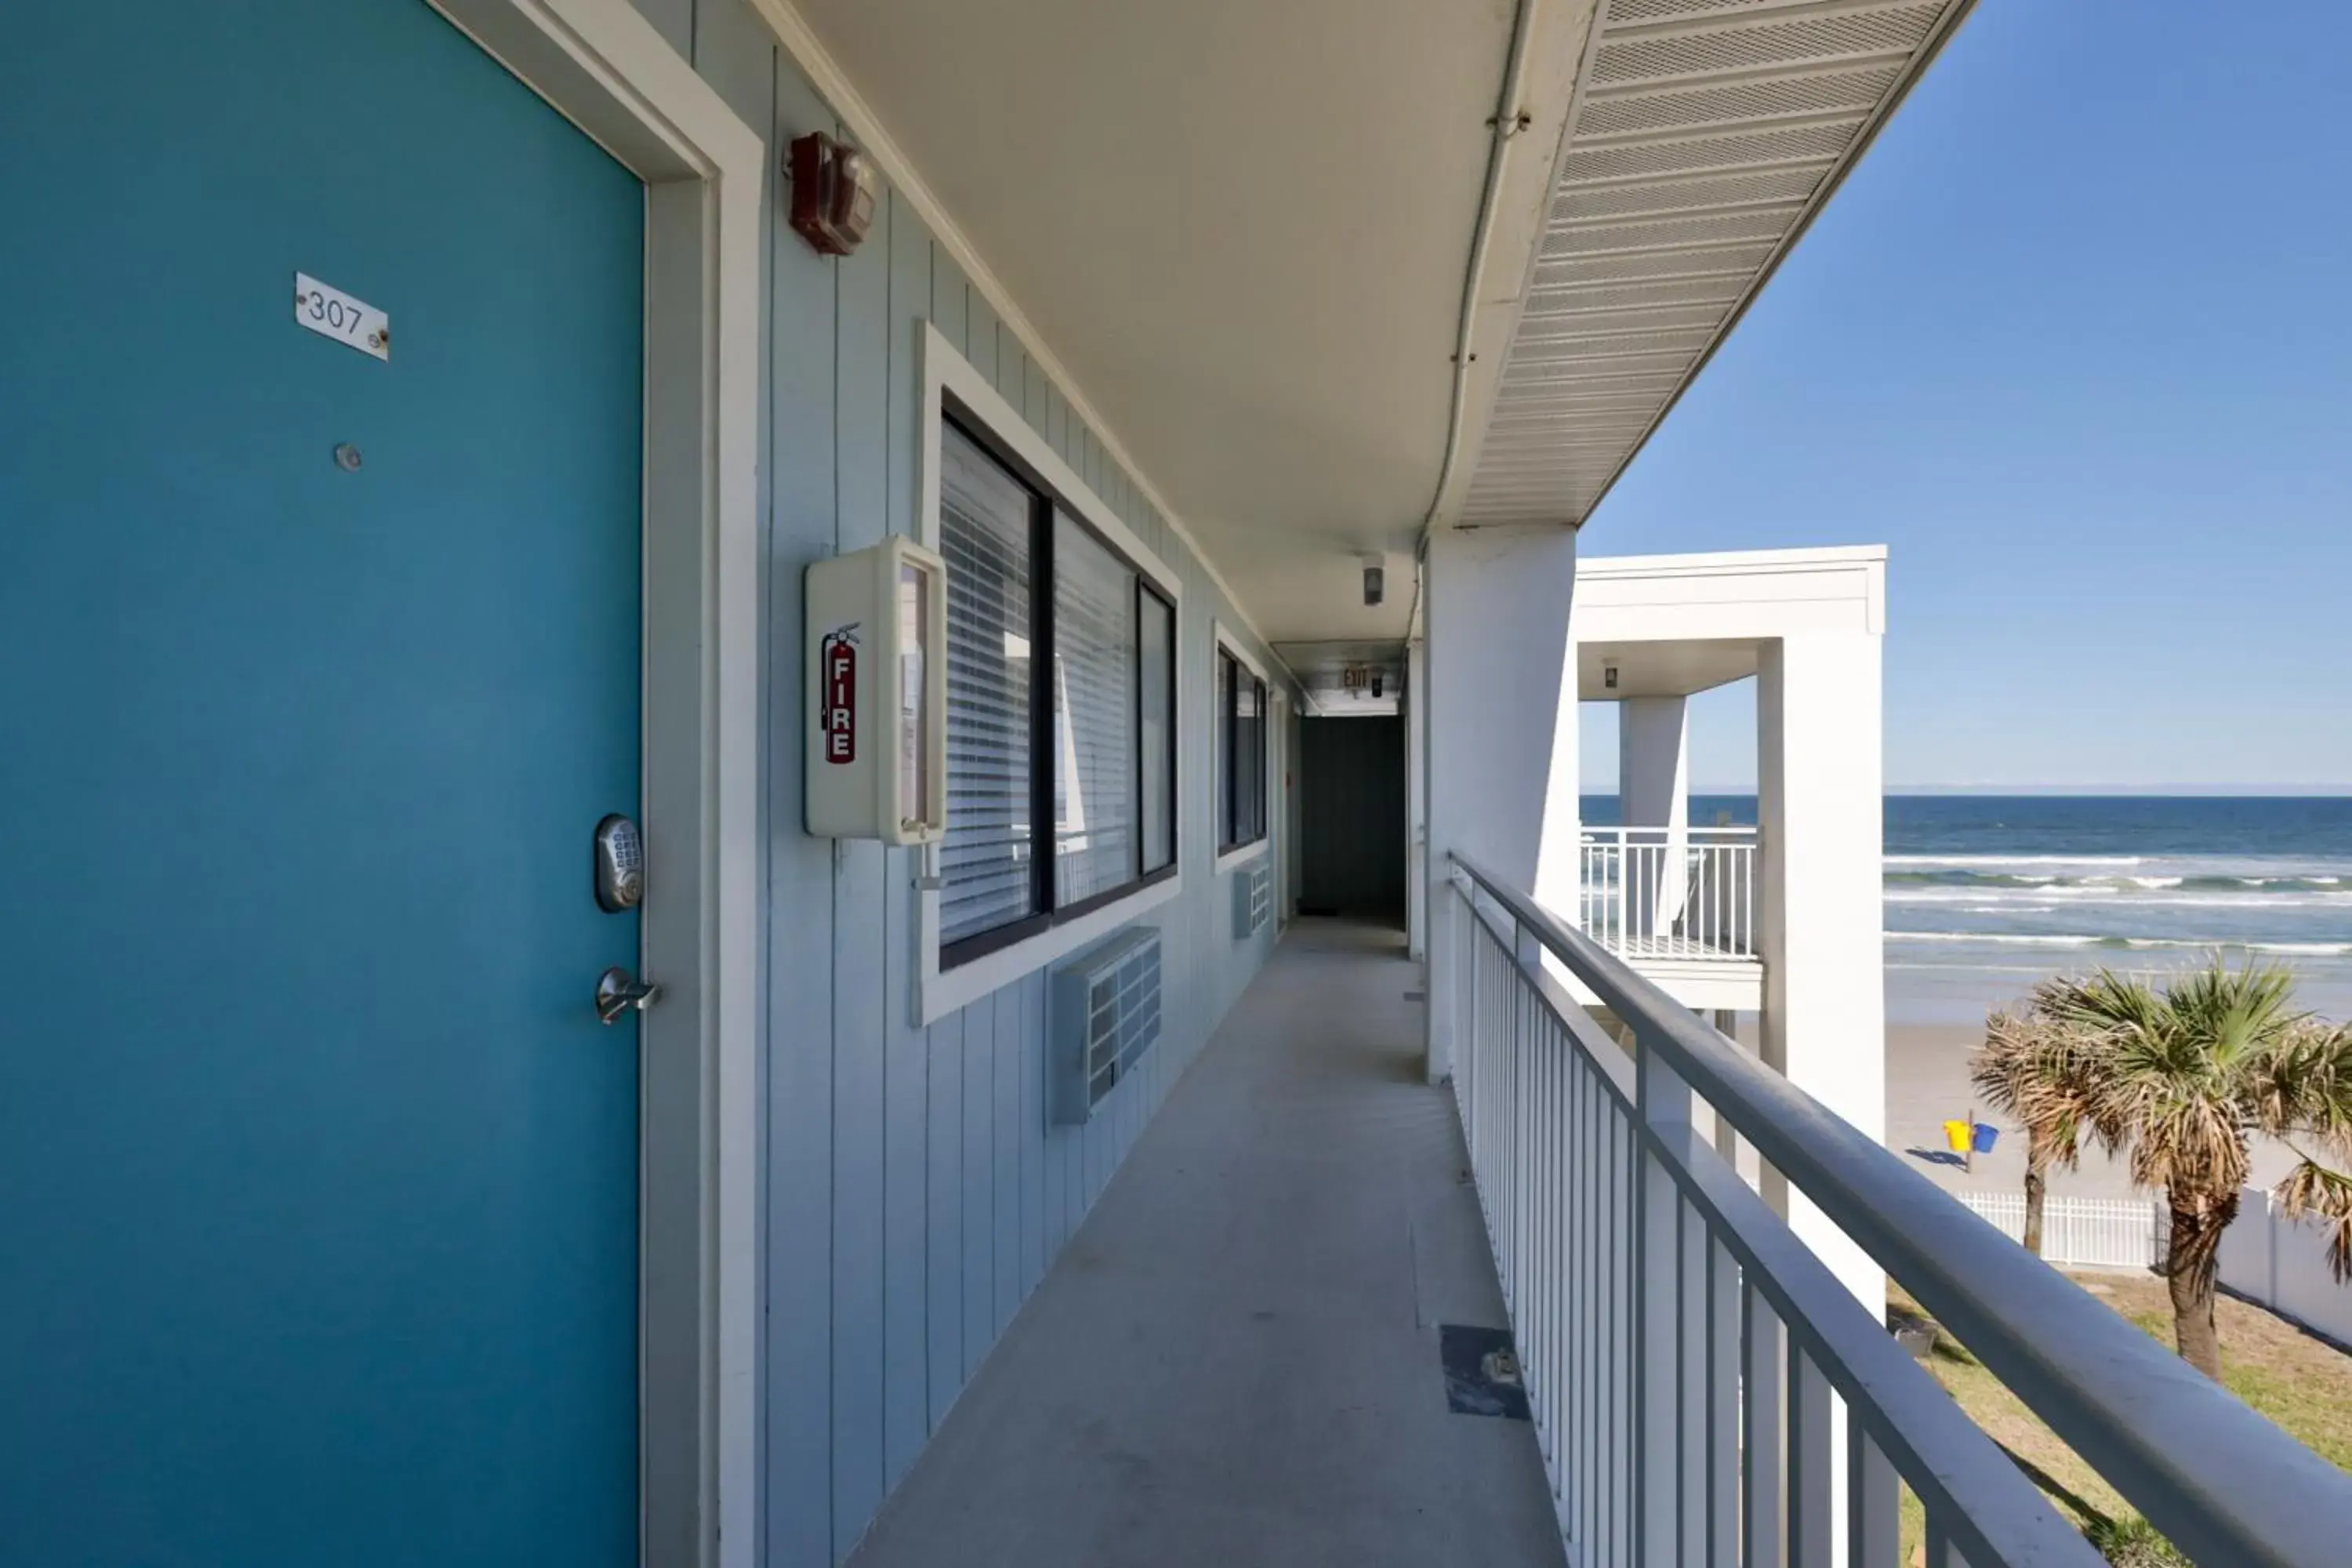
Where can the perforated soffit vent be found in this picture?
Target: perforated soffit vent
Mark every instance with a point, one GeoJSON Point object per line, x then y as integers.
{"type": "Point", "coordinates": [1706, 133]}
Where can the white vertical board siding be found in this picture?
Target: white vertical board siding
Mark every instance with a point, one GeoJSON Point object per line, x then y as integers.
{"type": "Point", "coordinates": [915, 1195]}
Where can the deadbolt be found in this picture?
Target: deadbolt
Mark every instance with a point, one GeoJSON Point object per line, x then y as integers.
{"type": "Point", "coordinates": [620, 865]}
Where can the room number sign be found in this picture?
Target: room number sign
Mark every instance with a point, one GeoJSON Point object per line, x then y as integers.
{"type": "Point", "coordinates": [331, 313]}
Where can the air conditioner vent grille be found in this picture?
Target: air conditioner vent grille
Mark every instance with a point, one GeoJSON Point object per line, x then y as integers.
{"type": "Point", "coordinates": [1105, 1011]}
{"type": "Point", "coordinates": [1252, 900]}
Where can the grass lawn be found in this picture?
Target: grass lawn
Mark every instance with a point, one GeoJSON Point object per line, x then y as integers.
{"type": "Point", "coordinates": [2301, 1383]}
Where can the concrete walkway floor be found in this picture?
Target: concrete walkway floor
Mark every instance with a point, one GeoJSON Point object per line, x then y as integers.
{"type": "Point", "coordinates": [1235, 1360]}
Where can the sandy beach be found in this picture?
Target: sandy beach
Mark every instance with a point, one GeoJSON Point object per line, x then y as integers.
{"type": "Point", "coordinates": [1928, 1082]}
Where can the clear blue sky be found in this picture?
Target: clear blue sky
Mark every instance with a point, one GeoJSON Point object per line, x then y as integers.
{"type": "Point", "coordinates": [2076, 342]}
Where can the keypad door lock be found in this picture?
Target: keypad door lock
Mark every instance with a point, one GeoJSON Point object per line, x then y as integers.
{"type": "Point", "coordinates": [620, 865]}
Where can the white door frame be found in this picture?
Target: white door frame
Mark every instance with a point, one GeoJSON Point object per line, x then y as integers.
{"type": "Point", "coordinates": [605, 68]}
{"type": "Point", "coordinates": [1278, 808]}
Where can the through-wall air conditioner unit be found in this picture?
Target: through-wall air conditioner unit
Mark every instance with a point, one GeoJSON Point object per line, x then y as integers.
{"type": "Point", "coordinates": [878, 695]}
{"type": "Point", "coordinates": [1252, 898]}
{"type": "Point", "coordinates": [1103, 1013]}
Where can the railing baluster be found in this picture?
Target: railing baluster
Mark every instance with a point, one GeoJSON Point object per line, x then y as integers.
{"type": "Point", "coordinates": [1811, 1454]}
{"type": "Point", "coordinates": [1744, 903]}
{"type": "Point", "coordinates": [1722, 1404]}
{"type": "Point", "coordinates": [1624, 1171]}
{"type": "Point", "coordinates": [1522, 1143]}
{"type": "Point", "coordinates": [1691, 1406]}
{"type": "Point", "coordinates": [1941, 1553]}
{"type": "Point", "coordinates": [1736, 905]}
{"type": "Point", "coordinates": [1564, 1230]}
{"type": "Point", "coordinates": [1610, 1470]}
{"type": "Point", "coordinates": [1499, 1109]}
{"type": "Point", "coordinates": [1556, 1067]}
{"type": "Point", "coordinates": [1590, 1313]}
{"type": "Point", "coordinates": [1711, 867]}
{"type": "Point", "coordinates": [1506, 1196]}
{"type": "Point", "coordinates": [1717, 863]}
{"type": "Point", "coordinates": [1624, 893]}
{"type": "Point", "coordinates": [1763, 1469]}
{"type": "Point", "coordinates": [1524, 1134]}
{"type": "Point", "coordinates": [1663, 1102]}
{"type": "Point", "coordinates": [1873, 1502]}
{"type": "Point", "coordinates": [1535, 1356]}
{"type": "Point", "coordinates": [1584, 1371]}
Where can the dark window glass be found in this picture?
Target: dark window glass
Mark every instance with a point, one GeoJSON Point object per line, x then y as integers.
{"type": "Point", "coordinates": [1061, 708]}
{"type": "Point", "coordinates": [1095, 711]}
{"type": "Point", "coordinates": [1242, 766]}
{"type": "Point", "coordinates": [1156, 645]}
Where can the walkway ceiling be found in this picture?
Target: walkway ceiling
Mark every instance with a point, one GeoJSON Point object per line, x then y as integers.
{"type": "Point", "coordinates": [1676, 669]}
{"type": "Point", "coordinates": [1244, 232]}
{"type": "Point", "coordinates": [1242, 227]}
{"type": "Point", "coordinates": [1340, 677]}
{"type": "Point", "coordinates": [1705, 135]}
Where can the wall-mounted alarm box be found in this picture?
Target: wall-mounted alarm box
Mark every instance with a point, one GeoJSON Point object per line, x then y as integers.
{"type": "Point", "coordinates": [878, 695]}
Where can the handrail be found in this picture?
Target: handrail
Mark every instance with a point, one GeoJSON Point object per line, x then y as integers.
{"type": "Point", "coordinates": [1981, 1509]}
{"type": "Point", "coordinates": [2224, 1484]}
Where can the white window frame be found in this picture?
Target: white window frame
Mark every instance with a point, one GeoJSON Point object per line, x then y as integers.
{"type": "Point", "coordinates": [1225, 642]}
{"type": "Point", "coordinates": [941, 991]}
{"type": "Point", "coordinates": [605, 68]}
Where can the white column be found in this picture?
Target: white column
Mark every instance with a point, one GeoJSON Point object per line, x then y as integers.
{"type": "Point", "coordinates": [1819, 808]}
{"type": "Point", "coordinates": [1654, 792]}
{"type": "Point", "coordinates": [1654, 762]}
{"type": "Point", "coordinates": [1496, 657]}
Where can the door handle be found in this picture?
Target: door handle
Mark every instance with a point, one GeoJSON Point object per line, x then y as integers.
{"type": "Point", "coordinates": [619, 991]}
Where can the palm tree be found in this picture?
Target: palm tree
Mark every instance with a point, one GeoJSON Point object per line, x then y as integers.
{"type": "Point", "coordinates": [2039, 1071]}
{"type": "Point", "coordinates": [2183, 1077]}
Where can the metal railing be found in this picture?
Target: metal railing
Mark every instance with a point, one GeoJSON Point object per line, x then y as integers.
{"type": "Point", "coordinates": [1707, 1390]}
{"type": "Point", "coordinates": [1669, 892]}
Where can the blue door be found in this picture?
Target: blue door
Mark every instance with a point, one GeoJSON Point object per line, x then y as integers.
{"type": "Point", "coordinates": [317, 1174]}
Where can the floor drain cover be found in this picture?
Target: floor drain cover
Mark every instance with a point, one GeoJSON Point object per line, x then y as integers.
{"type": "Point", "coordinates": [1482, 1371]}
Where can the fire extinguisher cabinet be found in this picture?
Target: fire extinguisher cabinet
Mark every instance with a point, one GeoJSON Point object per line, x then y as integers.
{"type": "Point", "coordinates": [877, 685]}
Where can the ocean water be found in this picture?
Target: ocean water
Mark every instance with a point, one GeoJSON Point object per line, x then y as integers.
{"type": "Point", "coordinates": [1987, 894]}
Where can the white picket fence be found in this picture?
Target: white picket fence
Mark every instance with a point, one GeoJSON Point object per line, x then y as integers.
{"type": "Point", "coordinates": [2282, 1263]}
{"type": "Point", "coordinates": [2082, 1233]}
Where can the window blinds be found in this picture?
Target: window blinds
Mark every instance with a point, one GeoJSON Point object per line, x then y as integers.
{"type": "Point", "coordinates": [1156, 640]}
{"type": "Point", "coordinates": [1249, 758]}
{"type": "Point", "coordinates": [1093, 717]}
{"type": "Point", "coordinates": [988, 878]}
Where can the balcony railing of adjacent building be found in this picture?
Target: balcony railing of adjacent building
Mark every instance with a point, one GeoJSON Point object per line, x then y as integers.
{"type": "Point", "coordinates": [1669, 893]}
{"type": "Point", "coordinates": [1705, 1388]}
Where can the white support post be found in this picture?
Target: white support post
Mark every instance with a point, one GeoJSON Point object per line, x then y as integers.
{"type": "Point", "coordinates": [1820, 812]}
{"type": "Point", "coordinates": [1817, 799]}
{"type": "Point", "coordinates": [1653, 793]}
{"type": "Point", "coordinates": [1495, 661]}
